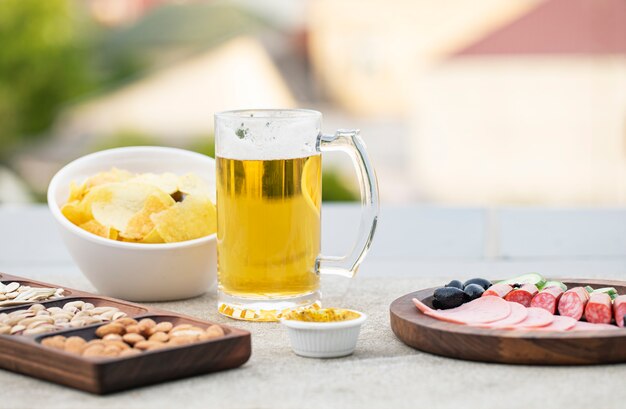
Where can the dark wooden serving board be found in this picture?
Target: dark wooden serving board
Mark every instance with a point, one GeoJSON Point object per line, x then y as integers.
{"type": "Point", "coordinates": [25, 354]}
{"type": "Point", "coordinates": [507, 346]}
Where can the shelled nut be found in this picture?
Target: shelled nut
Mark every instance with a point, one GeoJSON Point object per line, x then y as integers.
{"type": "Point", "coordinates": [14, 293]}
{"type": "Point", "coordinates": [127, 337]}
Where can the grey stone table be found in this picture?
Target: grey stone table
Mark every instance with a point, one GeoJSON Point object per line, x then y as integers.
{"type": "Point", "coordinates": [415, 247]}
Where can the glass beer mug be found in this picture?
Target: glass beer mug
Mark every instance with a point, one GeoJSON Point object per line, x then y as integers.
{"type": "Point", "coordinates": [269, 194]}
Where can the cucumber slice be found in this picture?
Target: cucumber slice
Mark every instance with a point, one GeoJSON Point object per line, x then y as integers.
{"type": "Point", "coordinates": [611, 291]}
{"type": "Point", "coordinates": [530, 278]}
{"type": "Point", "coordinates": [554, 284]}
{"type": "Point", "coordinates": [589, 289]}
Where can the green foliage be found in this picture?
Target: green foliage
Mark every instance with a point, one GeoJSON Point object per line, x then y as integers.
{"type": "Point", "coordinates": [335, 189]}
{"type": "Point", "coordinates": [42, 66]}
{"type": "Point", "coordinates": [204, 145]}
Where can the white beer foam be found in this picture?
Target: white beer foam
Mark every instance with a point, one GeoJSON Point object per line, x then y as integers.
{"type": "Point", "coordinates": [267, 137]}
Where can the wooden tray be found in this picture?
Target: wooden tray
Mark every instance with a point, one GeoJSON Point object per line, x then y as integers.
{"type": "Point", "coordinates": [507, 346]}
{"type": "Point", "coordinates": [25, 354]}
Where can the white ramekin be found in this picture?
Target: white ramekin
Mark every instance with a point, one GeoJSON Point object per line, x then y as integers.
{"type": "Point", "coordinates": [324, 339]}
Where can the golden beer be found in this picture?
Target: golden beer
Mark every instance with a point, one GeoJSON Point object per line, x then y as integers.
{"type": "Point", "coordinates": [268, 226]}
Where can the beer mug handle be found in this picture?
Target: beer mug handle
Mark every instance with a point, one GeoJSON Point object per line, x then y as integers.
{"type": "Point", "coordinates": [349, 141]}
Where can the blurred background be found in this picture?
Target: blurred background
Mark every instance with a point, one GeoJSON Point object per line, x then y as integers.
{"type": "Point", "coordinates": [461, 102]}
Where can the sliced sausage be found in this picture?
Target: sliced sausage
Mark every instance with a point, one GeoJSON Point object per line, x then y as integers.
{"type": "Point", "coordinates": [598, 309]}
{"type": "Point", "coordinates": [619, 309]}
{"type": "Point", "coordinates": [523, 295]}
{"type": "Point", "coordinates": [573, 302]}
{"type": "Point", "coordinates": [537, 317]}
{"type": "Point", "coordinates": [518, 314]}
{"type": "Point", "coordinates": [548, 299]}
{"type": "Point", "coordinates": [478, 311]}
{"type": "Point", "coordinates": [499, 290]}
{"type": "Point", "coordinates": [585, 326]}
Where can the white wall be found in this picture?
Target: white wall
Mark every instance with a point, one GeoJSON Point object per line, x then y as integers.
{"type": "Point", "coordinates": [522, 130]}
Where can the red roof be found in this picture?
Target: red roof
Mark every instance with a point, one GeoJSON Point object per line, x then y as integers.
{"type": "Point", "coordinates": [560, 27]}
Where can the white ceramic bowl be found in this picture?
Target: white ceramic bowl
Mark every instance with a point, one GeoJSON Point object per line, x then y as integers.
{"type": "Point", "coordinates": [136, 271]}
{"type": "Point", "coordinates": [324, 339]}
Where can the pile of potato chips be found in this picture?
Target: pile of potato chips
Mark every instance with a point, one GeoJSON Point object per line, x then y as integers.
{"type": "Point", "coordinates": [142, 208]}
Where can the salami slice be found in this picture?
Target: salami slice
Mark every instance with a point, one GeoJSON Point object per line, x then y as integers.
{"type": "Point", "coordinates": [572, 303]}
{"type": "Point", "coordinates": [523, 295]}
{"type": "Point", "coordinates": [518, 314]}
{"type": "Point", "coordinates": [619, 309]}
{"type": "Point", "coordinates": [537, 317]}
{"type": "Point", "coordinates": [598, 309]}
{"type": "Point", "coordinates": [499, 290]}
{"type": "Point", "coordinates": [586, 326]}
{"type": "Point", "coordinates": [548, 299]}
{"type": "Point", "coordinates": [478, 311]}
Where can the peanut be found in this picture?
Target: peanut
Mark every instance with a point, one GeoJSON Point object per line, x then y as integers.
{"type": "Point", "coordinates": [159, 337]}
{"type": "Point", "coordinates": [148, 345]}
{"type": "Point", "coordinates": [164, 326]}
{"type": "Point", "coordinates": [57, 342]}
{"type": "Point", "coordinates": [111, 328]}
{"type": "Point", "coordinates": [94, 350]}
{"type": "Point", "coordinates": [133, 338]}
{"type": "Point", "coordinates": [145, 325]}
{"type": "Point", "coordinates": [112, 337]}
{"type": "Point", "coordinates": [75, 345]}
{"type": "Point", "coordinates": [133, 329]}
{"type": "Point", "coordinates": [126, 337]}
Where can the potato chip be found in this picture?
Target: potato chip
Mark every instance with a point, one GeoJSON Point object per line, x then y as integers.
{"type": "Point", "coordinates": [77, 192]}
{"type": "Point", "coordinates": [100, 193]}
{"type": "Point", "coordinates": [142, 208]}
{"type": "Point", "coordinates": [125, 199]}
{"type": "Point", "coordinates": [96, 228]}
{"type": "Point", "coordinates": [190, 219]}
{"type": "Point", "coordinates": [191, 184]}
{"type": "Point", "coordinates": [167, 182]}
{"type": "Point", "coordinates": [153, 237]}
{"type": "Point", "coordinates": [115, 175]}
{"type": "Point", "coordinates": [74, 212]}
{"type": "Point", "coordinates": [140, 224]}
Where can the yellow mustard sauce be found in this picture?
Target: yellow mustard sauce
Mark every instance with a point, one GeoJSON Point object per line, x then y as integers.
{"type": "Point", "coordinates": [321, 315]}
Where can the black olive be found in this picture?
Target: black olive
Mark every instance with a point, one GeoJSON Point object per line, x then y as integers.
{"type": "Point", "coordinates": [455, 284]}
{"type": "Point", "coordinates": [449, 297]}
{"type": "Point", "coordinates": [437, 304]}
{"type": "Point", "coordinates": [480, 281]}
{"type": "Point", "coordinates": [473, 291]}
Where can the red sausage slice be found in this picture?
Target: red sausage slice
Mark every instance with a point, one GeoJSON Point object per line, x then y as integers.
{"type": "Point", "coordinates": [572, 303]}
{"type": "Point", "coordinates": [619, 308]}
{"type": "Point", "coordinates": [547, 299]}
{"type": "Point", "coordinates": [499, 290]}
{"type": "Point", "coordinates": [598, 309]}
{"type": "Point", "coordinates": [478, 311]}
{"type": "Point", "coordinates": [523, 295]}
